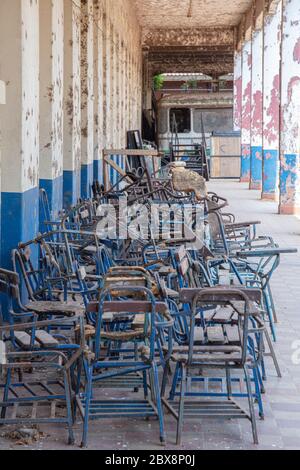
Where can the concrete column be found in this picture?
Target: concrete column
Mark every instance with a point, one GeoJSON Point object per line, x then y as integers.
{"type": "Point", "coordinates": [87, 97]}
{"type": "Point", "coordinates": [119, 92]}
{"type": "Point", "coordinates": [2, 102]}
{"type": "Point", "coordinates": [19, 59]}
{"type": "Point", "coordinates": [290, 110]}
{"type": "Point", "coordinates": [72, 103]}
{"type": "Point", "coordinates": [271, 102]}
{"type": "Point", "coordinates": [95, 83]}
{"type": "Point", "coordinates": [246, 111]}
{"type": "Point", "coordinates": [257, 106]}
{"type": "Point", "coordinates": [127, 97]}
{"type": "Point", "coordinates": [99, 111]}
{"type": "Point", "coordinates": [108, 129]}
{"type": "Point", "coordinates": [123, 70]}
{"type": "Point", "coordinates": [51, 102]}
{"type": "Point", "coordinates": [237, 111]}
{"type": "Point", "coordinates": [114, 84]}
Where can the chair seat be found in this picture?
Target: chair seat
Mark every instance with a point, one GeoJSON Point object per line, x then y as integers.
{"type": "Point", "coordinates": [204, 354]}
{"type": "Point", "coordinates": [123, 336]}
{"type": "Point", "coordinates": [254, 308]}
{"type": "Point", "coordinates": [57, 308]}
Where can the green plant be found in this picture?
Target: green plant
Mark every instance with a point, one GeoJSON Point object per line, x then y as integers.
{"type": "Point", "coordinates": [158, 82]}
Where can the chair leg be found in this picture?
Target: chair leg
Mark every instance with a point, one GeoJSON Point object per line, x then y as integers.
{"type": "Point", "coordinates": [181, 405]}
{"type": "Point", "coordinates": [6, 393]}
{"type": "Point", "coordinates": [145, 385]}
{"type": "Point", "coordinates": [67, 384]}
{"type": "Point", "coordinates": [159, 404]}
{"type": "Point", "coordinates": [270, 316]}
{"type": "Point", "coordinates": [272, 304]}
{"type": "Point", "coordinates": [228, 383]}
{"type": "Point", "coordinates": [87, 407]}
{"type": "Point", "coordinates": [258, 392]}
{"type": "Point", "coordinates": [164, 380]}
{"type": "Point", "coordinates": [273, 354]}
{"type": "Point", "coordinates": [174, 383]}
{"type": "Point", "coordinates": [251, 405]}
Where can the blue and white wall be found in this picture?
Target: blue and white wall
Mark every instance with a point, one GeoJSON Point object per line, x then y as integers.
{"type": "Point", "coordinates": [69, 67]}
{"type": "Point", "coordinates": [19, 61]}
{"type": "Point", "coordinates": [271, 101]}
{"type": "Point", "coordinates": [51, 101]}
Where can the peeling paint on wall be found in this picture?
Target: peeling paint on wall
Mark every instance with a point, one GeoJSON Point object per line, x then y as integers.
{"type": "Point", "coordinates": [237, 113]}
{"type": "Point", "coordinates": [51, 88]}
{"type": "Point", "coordinates": [256, 110]}
{"type": "Point", "coordinates": [246, 110]}
{"type": "Point", "coordinates": [290, 117]}
{"type": "Point", "coordinates": [271, 103]}
{"type": "Point", "coordinates": [30, 94]}
{"type": "Point", "coordinates": [87, 82]}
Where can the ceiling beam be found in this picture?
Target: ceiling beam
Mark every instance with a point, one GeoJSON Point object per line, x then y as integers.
{"type": "Point", "coordinates": [195, 37]}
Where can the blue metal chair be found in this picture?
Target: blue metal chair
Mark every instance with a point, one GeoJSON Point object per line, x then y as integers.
{"type": "Point", "coordinates": [206, 355]}
{"type": "Point", "coordinates": [46, 381]}
{"type": "Point", "coordinates": [152, 317]}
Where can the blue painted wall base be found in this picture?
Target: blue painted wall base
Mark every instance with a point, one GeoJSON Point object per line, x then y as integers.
{"type": "Point", "coordinates": [256, 168]}
{"type": "Point", "coordinates": [270, 181]}
{"type": "Point", "coordinates": [19, 223]}
{"type": "Point", "coordinates": [289, 181]}
{"type": "Point", "coordinates": [71, 188]}
{"type": "Point", "coordinates": [54, 190]}
{"type": "Point", "coordinates": [245, 164]}
{"type": "Point", "coordinates": [87, 179]}
{"type": "Point", "coordinates": [98, 171]}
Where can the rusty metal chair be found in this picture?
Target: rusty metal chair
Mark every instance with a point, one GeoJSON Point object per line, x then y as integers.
{"type": "Point", "coordinates": [147, 317]}
{"type": "Point", "coordinates": [201, 353]}
{"type": "Point", "coordinates": [38, 385]}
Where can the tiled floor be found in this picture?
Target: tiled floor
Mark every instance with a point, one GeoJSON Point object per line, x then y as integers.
{"type": "Point", "coordinates": [281, 427]}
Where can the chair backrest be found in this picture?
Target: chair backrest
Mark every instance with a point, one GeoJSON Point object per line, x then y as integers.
{"type": "Point", "coordinates": [127, 276]}
{"type": "Point", "coordinates": [22, 263]}
{"type": "Point", "coordinates": [188, 277]}
{"type": "Point", "coordinates": [9, 284]}
{"type": "Point", "coordinates": [222, 296]}
{"type": "Point", "coordinates": [218, 242]}
{"type": "Point", "coordinates": [112, 302]}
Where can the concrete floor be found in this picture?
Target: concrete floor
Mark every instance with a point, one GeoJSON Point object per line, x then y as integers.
{"type": "Point", "coordinates": [281, 427]}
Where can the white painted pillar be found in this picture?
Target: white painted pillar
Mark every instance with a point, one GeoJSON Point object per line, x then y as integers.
{"type": "Point", "coordinates": [124, 119]}
{"type": "Point", "coordinates": [271, 102]}
{"type": "Point", "coordinates": [114, 80]}
{"type": "Point", "coordinates": [119, 96]}
{"type": "Point", "coordinates": [257, 109]}
{"type": "Point", "coordinates": [98, 162]}
{"type": "Point", "coordinates": [87, 97]}
{"type": "Point", "coordinates": [96, 86]}
{"type": "Point", "coordinates": [108, 129]}
{"type": "Point", "coordinates": [72, 103]}
{"type": "Point", "coordinates": [19, 59]}
{"type": "Point", "coordinates": [246, 110]}
{"type": "Point", "coordinates": [51, 102]}
{"type": "Point", "coordinates": [237, 111]}
{"type": "Point", "coordinates": [290, 110]}
{"type": "Point", "coordinates": [2, 102]}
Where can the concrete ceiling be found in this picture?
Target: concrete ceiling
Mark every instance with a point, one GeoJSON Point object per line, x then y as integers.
{"type": "Point", "coordinates": [157, 14]}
